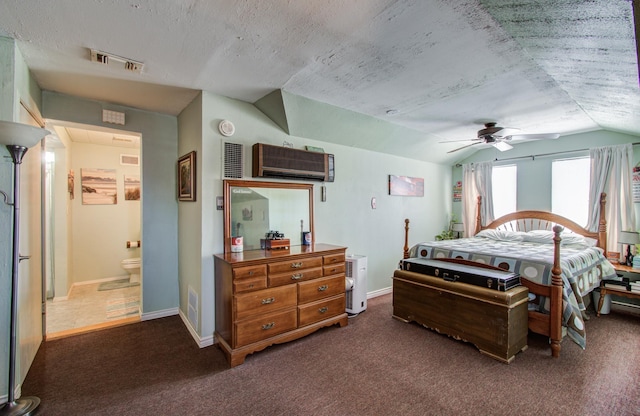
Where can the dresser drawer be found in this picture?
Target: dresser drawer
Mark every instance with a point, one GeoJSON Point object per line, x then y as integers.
{"type": "Point", "coordinates": [264, 301]}
{"type": "Point", "coordinates": [333, 259]}
{"type": "Point", "coordinates": [249, 271]}
{"type": "Point", "coordinates": [334, 269]}
{"type": "Point", "coordinates": [265, 326]}
{"type": "Point", "coordinates": [294, 276]}
{"type": "Point", "coordinates": [320, 288]}
{"type": "Point", "coordinates": [293, 265]}
{"type": "Point", "coordinates": [246, 285]}
{"type": "Point", "coordinates": [310, 313]}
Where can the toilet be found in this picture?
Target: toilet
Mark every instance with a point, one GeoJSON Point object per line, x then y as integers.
{"type": "Point", "coordinates": [132, 266]}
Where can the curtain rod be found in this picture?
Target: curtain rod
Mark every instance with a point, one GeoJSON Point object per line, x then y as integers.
{"type": "Point", "coordinates": [533, 157]}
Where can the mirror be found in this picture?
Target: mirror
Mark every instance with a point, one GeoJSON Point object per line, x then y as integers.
{"type": "Point", "coordinates": [253, 208]}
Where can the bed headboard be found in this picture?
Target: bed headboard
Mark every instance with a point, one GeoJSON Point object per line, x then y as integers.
{"type": "Point", "coordinates": [544, 220]}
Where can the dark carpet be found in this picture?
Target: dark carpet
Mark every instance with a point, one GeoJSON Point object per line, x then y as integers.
{"type": "Point", "coordinates": [374, 366]}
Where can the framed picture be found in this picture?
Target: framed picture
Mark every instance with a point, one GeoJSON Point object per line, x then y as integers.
{"type": "Point", "coordinates": [406, 186]}
{"type": "Point", "coordinates": [187, 177]}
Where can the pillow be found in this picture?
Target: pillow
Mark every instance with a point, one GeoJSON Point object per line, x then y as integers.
{"type": "Point", "coordinates": [501, 235]}
{"type": "Point", "coordinates": [539, 236]}
{"type": "Point", "coordinates": [568, 238]}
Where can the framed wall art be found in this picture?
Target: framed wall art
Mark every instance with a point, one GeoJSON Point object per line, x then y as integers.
{"type": "Point", "coordinates": [187, 177]}
{"type": "Point", "coordinates": [98, 186]}
{"type": "Point", "coordinates": [406, 186]}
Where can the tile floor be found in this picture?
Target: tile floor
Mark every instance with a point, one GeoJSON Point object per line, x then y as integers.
{"type": "Point", "coordinates": [87, 306]}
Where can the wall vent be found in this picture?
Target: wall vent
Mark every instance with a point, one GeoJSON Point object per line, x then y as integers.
{"type": "Point", "coordinates": [130, 160]}
{"type": "Point", "coordinates": [233, 160]}
{"type": "Point", "coordinates": [287, 163]}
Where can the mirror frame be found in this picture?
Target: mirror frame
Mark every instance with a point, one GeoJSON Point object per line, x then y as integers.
{"type": "Point", "coordinates": [228, 183]}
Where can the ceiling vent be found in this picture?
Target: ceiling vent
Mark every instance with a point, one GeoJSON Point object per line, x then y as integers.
{"type": "Point", "coordinates": [116, 61]}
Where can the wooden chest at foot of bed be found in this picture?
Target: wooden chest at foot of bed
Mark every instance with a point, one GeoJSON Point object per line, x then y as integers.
{"type": "Point", "coordinates": [495, 322]}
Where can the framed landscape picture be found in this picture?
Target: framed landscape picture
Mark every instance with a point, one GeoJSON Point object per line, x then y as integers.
{"type": "Point", "coordinates": [187, 177]}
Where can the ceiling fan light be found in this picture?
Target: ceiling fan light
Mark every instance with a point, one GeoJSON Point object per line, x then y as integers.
{"type": "Point", "coordinates": [502, 146]}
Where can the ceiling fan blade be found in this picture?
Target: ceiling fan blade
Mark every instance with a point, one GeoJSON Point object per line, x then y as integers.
{"type": "Point", "coordinates": [463, 147]}
{"type": "Point", "coordinates": [461, 140]}
{"type": "Point", "coordinates": [502, 146]}
{"type": "Point", "coordinates": [506, 132]}
{"type": "Point", "coordinates": [533, 136]}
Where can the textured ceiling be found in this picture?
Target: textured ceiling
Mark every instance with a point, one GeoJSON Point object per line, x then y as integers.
{"type": "Point", "coordinates": [440, 68]}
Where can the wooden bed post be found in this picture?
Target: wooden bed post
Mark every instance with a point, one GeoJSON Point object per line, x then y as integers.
{"type": "Point", "coordinates": [602, 226]}
{"type": "Point", "coordinates": [406, 239]}
{"type": "Point", "coordinates": [555, 330]}
{"type": "Point", "coordinates": [478, 216]}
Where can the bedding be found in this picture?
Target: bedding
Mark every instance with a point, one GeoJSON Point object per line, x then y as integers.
{"type": "Point", "coordinates": [531, 255]}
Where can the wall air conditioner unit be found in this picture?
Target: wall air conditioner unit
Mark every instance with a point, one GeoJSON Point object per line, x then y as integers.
{"type": "Point", "coordinates": [356, 284]}
{"type": "Point", "coordinates": [287, 163]}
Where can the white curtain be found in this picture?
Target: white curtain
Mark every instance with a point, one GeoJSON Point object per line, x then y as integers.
{"type": "Point", "coordinates": [476, 181]}
{"type": "Point", "coordinates": [611, 170]}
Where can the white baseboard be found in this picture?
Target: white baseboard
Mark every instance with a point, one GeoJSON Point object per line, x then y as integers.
{"type": "Point", "coordinates": [202, 342]}
{"type": "Point", "coordinates": [158, 314]}
{"type": "Point", "coordinates": [379, 292]}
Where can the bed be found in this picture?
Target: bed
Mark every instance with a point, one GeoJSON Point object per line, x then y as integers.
{"type": "Point", "coordinates": [559, 262]}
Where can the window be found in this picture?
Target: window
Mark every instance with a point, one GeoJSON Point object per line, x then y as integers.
{"type": "Point", "coordinates": [570, 180]}
{"type": "Point", "coordinates": [504, 185]}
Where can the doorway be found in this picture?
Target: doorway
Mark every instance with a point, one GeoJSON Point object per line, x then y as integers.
{"type": "Point", "coordinates": [92, 220]}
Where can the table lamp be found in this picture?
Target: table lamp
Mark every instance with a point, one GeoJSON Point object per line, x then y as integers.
{"type": "Point", "coordinates": [629, 238]}
{"type": "Point", "coordinates": [458, 227]}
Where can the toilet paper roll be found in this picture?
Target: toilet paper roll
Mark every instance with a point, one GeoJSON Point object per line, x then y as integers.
{"type": "Point", "coordinates": [133, 244]}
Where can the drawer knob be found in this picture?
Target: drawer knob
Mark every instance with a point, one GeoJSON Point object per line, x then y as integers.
{"type": "Point", "coordinates": [296, 265]}
{"type": "Point", "coordinates": [323, 288]}
{"type": "Point", "coordinates": [268, 301]}
{"type": "Point", "coordinates": [251, 273]}
{"type": "Point", "coordinates": [297, 276]}
{"type": "Point", "coordinates": [269, 325]}
{"type": "Point", "coordinates": [323, 309]}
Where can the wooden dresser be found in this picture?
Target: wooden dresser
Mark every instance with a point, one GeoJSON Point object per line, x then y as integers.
{"type": "Point", "coordinates": [266, 297]}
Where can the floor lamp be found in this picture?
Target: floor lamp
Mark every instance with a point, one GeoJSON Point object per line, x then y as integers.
{"type": "Point", "coordinates": [18, 138]}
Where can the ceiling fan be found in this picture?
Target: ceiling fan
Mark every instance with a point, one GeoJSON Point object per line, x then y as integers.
{"type": "Point", "coordinates": [498, 137]}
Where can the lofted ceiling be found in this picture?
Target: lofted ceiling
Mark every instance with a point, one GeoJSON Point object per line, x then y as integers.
{"type": "Point", "coordinates": [438, 69]}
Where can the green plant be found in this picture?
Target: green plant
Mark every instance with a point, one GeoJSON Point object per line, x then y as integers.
{"type": "Point", "coordinates": [448, 234]}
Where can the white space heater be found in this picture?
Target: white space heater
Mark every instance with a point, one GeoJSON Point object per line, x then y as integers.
{"type": "Point", "coordinates": [356, 283]}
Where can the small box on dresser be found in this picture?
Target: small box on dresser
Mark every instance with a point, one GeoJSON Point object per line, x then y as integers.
{"type": "Point", "coordinates": [266, 297]}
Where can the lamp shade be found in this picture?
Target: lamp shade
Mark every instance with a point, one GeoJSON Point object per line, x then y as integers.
{"type": "Point", "coordinates": [628, 237]}
{"type": "Point", "coordinates": [457, 226]}
{"type": "Point", "coordinates": [20, 134]}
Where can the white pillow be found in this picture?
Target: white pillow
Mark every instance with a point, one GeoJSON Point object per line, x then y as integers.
{"type": "Point", "coordinates": [568, 238]}
{"type": "Point", "coordinates": [501, 235]}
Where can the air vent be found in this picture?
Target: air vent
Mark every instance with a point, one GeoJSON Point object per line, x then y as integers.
{"type": "Point", "coordinates": [130, 160]}
{"type": "Point", "coordinates": [287, 163]}
{"type": "Point", "coordinates": [116, 61]}
{"type": "Point", "coordinates": [116, 139]}
{"type": "Point", "coordinates": [233, 160]}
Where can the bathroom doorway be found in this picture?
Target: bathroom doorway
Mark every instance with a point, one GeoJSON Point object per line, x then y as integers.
{"type": "Point", "coordinates": [92, 221]}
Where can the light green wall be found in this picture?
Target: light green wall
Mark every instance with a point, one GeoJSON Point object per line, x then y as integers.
{"type": "Point", "coordinates": [534, 173]}
{"type": "Point", "coordinates": [190, 229]}
{"type": "Point", "coordinates": [159, 207]}
{"type": "Point", "coordinates": [346, 218]}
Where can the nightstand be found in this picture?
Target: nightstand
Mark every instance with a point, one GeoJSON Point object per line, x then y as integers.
{"type": "Point", "coordinates": [623, 270]}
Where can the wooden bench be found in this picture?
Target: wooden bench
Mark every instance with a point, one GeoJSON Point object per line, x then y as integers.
{"type": "Point", "coordinates": [495, 322]}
